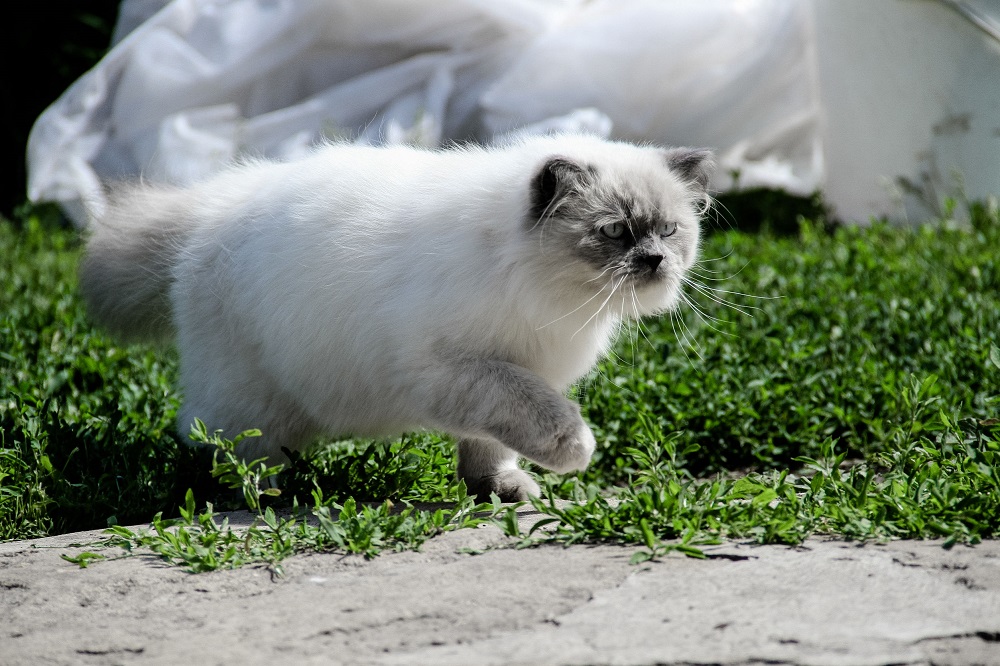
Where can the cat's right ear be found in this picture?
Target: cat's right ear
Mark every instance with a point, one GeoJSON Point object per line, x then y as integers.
{"type": "Point", "coordinates": [557, 178]}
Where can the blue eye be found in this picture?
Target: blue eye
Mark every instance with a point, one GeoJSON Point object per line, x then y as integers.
{"type": "Point", "coordinates": [665, 229]}
{"type": "Point", "coordinates": [613, 230]}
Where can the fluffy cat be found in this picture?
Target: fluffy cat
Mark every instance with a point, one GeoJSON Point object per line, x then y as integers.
{"type": "Point", "coordinates": [369, 291]}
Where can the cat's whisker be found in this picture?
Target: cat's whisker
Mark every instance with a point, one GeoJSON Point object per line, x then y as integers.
{"type": "Point", "coordinates": [600, 275]}
{"type": "Point", "coordinates": [705, 317]}
{"type": "Point", "coordinates": [614, 288]}
{"type": "Point", "coordinates": [623, 322]}
{"type": "Point", "coordinates": [576, 309]}
{"type": "Point", "coordinates": [614, 355]}
{"type": "Point", "coordinates": [636, 307]}
{"type": "Point", "coordinates": [708, 202]}
{"type": "Point", "coordinates": [699, 271]}
{"type": "Point", "coordinates": [742, 309]}
{"type": "Point", "coordinates": [621, 387]}
{"type": "Point", "coordinates": [681, 336]}
{"type": "Point", "coordinates": [718, 207]}
{"type": "Point", "coordinates": [620, 324]}
{"type": "Point", "coordinates": [706, 269]}
{"type": "Point", "coordinates": [693, 340]}
{"type": "Point", "coordinates": [740, 293]}
{"type": "Point", "coordinates": [638, 322]}
{"type": "Point", "coordinates": [702, 276]}
{"type": "Point", "coordinates": [722, 258]}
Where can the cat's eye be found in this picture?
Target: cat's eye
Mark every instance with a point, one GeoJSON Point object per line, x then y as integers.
{"type": "Point", "coordinates": [613, 230]}
{"type": "Point", "coordinates": [666, 228]}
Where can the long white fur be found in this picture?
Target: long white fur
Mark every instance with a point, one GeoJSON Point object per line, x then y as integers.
{"type": "Point", "coordinates": [328, 294]}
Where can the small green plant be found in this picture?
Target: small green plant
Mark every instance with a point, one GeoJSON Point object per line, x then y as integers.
{"type": "Point", "coordinates": [937, 477]}
{"type": "Point", "coordinates": [253, 478]}
{"type": "Point", "coordinates": [200, 542]}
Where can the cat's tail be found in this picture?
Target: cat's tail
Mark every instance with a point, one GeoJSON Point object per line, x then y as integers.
{"type": "Point", "coordinates": [127, 269]}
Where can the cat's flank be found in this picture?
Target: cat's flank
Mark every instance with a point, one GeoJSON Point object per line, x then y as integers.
{"type": "Point", "coordinates": [370, 291]}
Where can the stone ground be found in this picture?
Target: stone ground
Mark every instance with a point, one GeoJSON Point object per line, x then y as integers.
{"type": "Point", "coordinates": [827, 603]}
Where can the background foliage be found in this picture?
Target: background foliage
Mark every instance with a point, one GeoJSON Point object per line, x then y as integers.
{"type": "Point", "coordinates": [826, 379]}
{"type": "Point", "coordinates": [796, 346]}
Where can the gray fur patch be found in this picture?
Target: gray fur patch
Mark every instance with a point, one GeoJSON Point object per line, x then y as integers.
{"type": "Point", "coordinates": [695, 165]}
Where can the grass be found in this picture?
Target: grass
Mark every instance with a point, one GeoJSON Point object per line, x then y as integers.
{"type": "Point", "coordinates": [200, 542]}
{"type": "Point", "coordinates": [841, 381]}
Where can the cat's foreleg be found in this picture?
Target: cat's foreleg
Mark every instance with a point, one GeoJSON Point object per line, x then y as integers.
{"type": "Point", "coordinates": [488, 466]}
{"type": "Point", "coordinates": [485, 399]}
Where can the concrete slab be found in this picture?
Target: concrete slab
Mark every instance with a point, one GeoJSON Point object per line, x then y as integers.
{"type": "Point", "coordinates": [828, 603]}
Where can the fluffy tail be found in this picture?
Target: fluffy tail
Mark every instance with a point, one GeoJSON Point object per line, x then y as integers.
{"type": "Point", "coordinates": [127, 270]}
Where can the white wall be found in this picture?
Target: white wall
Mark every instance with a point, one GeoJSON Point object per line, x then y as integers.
{"type": "Point", "coordinates": [909, 88]}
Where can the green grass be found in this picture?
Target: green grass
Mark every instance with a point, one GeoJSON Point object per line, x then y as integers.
{"type": "Point", "coordinates": [852, 391]}
{"type": "Point", "coordinates": [200, 542]}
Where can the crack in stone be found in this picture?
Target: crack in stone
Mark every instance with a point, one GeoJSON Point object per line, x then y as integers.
{"type": "Point", "coordinates": [729, 556]}
{"type": "Point", "coordinates": [369, 626]}
{"type": "Point", "coordinates": [969, 584]}
{"type": "Point", "coordinates": [985, 636]}
{"type": "Point", "coordinates": [102, 653]}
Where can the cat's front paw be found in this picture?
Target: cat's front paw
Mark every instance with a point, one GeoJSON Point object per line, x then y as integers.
{"type": "Point", "coordinates": [572, 450]}
{"type": "Point", "coordinates": [510, 485]}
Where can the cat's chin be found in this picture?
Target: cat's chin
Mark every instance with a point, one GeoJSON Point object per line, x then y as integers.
{"type": "Point", "coordinates": [655, 297]}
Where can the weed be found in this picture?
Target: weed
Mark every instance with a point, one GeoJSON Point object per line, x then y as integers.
{"type": "Point", "coordinates": [938, 477]}
{"type": "Point", "coordinates": [200, 542]}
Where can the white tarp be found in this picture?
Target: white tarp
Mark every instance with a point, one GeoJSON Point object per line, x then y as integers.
{"type": "Point", "coordinates": [911, 105]}
{"type": "Point", "coordinates": [191, 84]}
{"type": "Point", "coordinates": [864, 99]}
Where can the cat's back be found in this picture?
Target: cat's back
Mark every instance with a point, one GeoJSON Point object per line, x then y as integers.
{"type": "Point", "coordinates": [400, 231]}
{"type": "Point", "coordinates": [411, 185]}
{"type": "Point", "coordinates": [394, 189]}
{"type": "Point", "coordinates": [379, 217]}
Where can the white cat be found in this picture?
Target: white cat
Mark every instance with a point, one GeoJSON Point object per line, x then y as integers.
{"type": "Point", "coordinates": [370, 291]}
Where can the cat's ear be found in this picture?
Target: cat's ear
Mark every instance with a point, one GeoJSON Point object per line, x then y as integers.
{"type": "Point", "coordinates": [557, 177]}
{"type": "Point", "coordinates": [695, 165]}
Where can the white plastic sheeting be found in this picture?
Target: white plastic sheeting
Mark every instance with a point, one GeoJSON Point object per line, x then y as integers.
{"type": "Point", "coordinates": [911, 104]}
{"type": "Point", "coordinates": [772, 85]}
{"type": "Point", "coordinates": [191, 84]}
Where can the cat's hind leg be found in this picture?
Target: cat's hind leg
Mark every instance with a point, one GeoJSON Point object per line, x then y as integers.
{"type": "Point", "coordinates": [279, 429]}
{"type": "Point", "coordinates": [487, 466]}
{"type": "Point", "coordinates": [235, 396]}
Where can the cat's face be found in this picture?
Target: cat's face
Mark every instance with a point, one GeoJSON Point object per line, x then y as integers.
{"type": "Point", "coordinates": [630, 226]}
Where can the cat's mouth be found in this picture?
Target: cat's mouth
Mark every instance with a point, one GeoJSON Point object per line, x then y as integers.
{"type": "Point", "coordinates": [650, 291]}
{"type": "Point", "coordinates": [648, 270]}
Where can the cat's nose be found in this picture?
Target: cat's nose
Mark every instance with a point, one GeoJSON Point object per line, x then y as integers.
{"type": "Point", "coordinates": [653, 261]}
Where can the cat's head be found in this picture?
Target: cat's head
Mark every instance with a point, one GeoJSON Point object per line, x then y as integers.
{"type": "Point", "coordinates": [628, 217]}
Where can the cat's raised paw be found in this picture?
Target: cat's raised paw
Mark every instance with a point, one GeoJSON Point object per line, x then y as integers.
{"type": "Point", "coordinates": [572, 451]}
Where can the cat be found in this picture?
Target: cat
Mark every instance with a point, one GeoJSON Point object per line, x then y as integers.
{"type": "Point", "coordinates": [370, 291]}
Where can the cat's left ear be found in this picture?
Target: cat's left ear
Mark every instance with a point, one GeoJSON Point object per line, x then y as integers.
{"type": "Point", "coordinates": [558, 177]}
{"type": "Point", "coordinates": [695, 165]}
